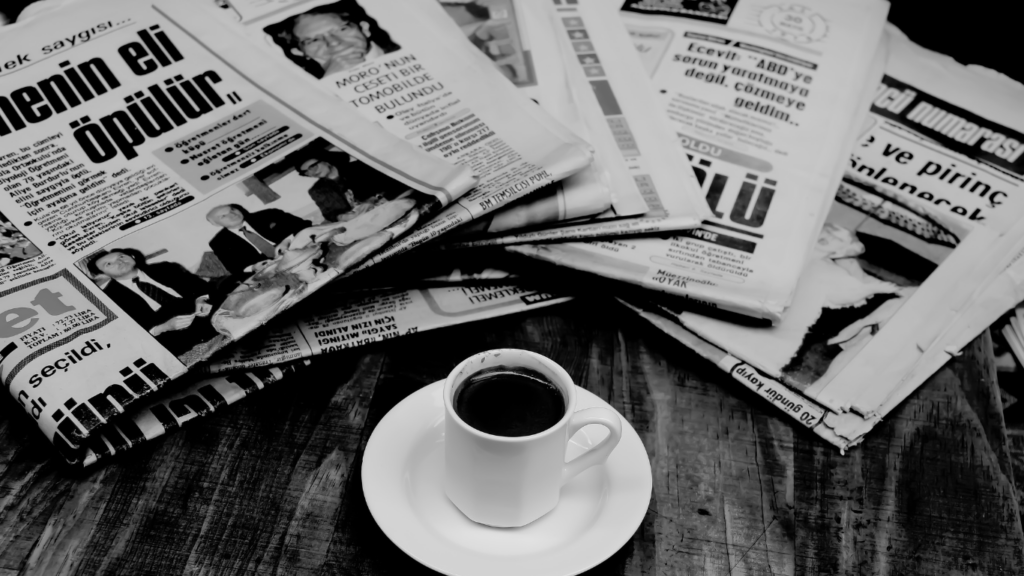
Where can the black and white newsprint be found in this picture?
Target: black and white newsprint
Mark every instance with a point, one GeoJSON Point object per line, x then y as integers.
{"type": "Point", "coordinates": [921, 251]}
{"type": "Point", "coordinates": [653, 187]}
{"type": "Point", "coordinates": [165, 193]}
{"type": "Point", "coordinates": [410, 68]}
{"type": "Point", "coordinates": [766, 99]}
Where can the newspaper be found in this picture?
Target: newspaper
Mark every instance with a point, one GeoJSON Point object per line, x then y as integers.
{"type": "Point", "coordinates": [154, 210]}
{"type": "Point", "coordinates": [921, 252]}
{"type": "Point", "coordinates": [914, 357]}
{"type": "Point", "coordinates": [960, 131]}
{"type": "Point", "coordinates": [171, 408]}
{"type": "Point", "coordinates": [766, 100]}
{"type": "Point", "coordinates": [656, 190]}
{"type": "Point", "coordinates": [338, 321]}
{"type": "Point", "coordinates": [849, 294]}
{"type": "Point", "coordinates": [333, 322]}
{"type": "Point", "coordinates": [512, 33]}
{"type": "Point", "coordinates": [408, 67]}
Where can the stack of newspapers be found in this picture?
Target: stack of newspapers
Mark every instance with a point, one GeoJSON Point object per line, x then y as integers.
{"type": "Point", "coordinates": [796, 192]}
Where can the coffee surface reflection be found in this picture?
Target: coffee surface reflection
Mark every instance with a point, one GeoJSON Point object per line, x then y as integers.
{"type": "Point", "coordinates": [509, 401]}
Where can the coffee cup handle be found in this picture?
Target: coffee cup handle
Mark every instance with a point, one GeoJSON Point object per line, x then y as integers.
{"type": "Point", "coordinates": [598, 454]}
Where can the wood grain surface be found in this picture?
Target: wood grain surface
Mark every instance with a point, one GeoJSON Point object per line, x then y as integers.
{"type": "Point", "coordinates": [272, 485]}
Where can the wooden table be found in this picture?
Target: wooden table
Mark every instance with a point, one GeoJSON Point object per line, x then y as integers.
{"type": "Point", "coordinates": [272, 485]}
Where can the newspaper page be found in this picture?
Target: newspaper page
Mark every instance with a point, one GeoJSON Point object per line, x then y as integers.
{"type": "Point", "coordinates": [915, 358]}
{"type": "Point", "coordinates": [842, 428]}
{"type": "Point", "coordinates": [408, 67]}
{"type": "Point", "coordinates": [154, 209]}
{"type": "Point", "coordinates": [765, 99]}
{"type": "Point", "coordinates": [921, 252]}
{"type": "Point", "coordinates": [171, 408]}
{"type": "Point", "coordinates": [334, 322]}
{"type": "Point", "coordinates": [512, 33]}
{"type": "Point", "coordinates": [960, 134]}
{"type": "Point", "coordinates": [656, 190]}
{"type": "Point", "coordinates": [848, 293]}
{"type": "Point", "coordinates": [341, 321]}
{"type": "Point", "coordinates": [792, 403]}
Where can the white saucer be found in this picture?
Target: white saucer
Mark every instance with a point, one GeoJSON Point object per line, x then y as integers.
{"type": "Point", "coordinates": [598, 512]}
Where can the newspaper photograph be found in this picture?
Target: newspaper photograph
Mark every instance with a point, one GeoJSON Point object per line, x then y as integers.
{"type": "Point", "coordinates": [258, 255]}
{"type": "Point", "coordinates": [409, 68]}
{"type": "Point", "coordinates": [911, 264]}
{"type": "Point", "coordinates": [654, 189]}
{"type": "Point", "coordinates": [15, 248]}
{"type": "Point", "coordinates": [766, 101]}
{"type": "Point", "coordinates": [162, 203]}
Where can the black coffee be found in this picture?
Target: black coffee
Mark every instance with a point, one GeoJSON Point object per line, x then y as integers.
{"type": "Point", "coordinates": [509, 401]}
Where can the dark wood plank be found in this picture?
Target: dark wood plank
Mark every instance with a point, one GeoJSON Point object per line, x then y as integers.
{"type": "Point", "coordinates": [272, 485]}
{"type": "Point", "coordinates": [1016, 440]}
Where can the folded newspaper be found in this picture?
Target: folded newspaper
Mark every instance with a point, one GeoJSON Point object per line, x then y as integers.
{"type": "Point", "coordinates": [171, 408]}
{"type": "Point", "coordinates": [409, 68]}
{"type": "Point", "coordinates": [339, 321]}
{"type": "Point", "coordinates": [333, 322]}
{"type": "Point", "coordinates": [920, 253]}
{"type": "Point", "coordinates": [168, 191]}
{"type": "Point", "coordinates": [654, 187]}
{"type": "Point", "coordinates": [512, 34]}
{"type": "Point", "coordinates": [766, 100]}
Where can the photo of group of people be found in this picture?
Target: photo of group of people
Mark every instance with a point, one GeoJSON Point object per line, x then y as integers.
{"type": "Point", "coordinates": [14, 246]}
{"type": "Point", "coordinates": [221, 268]}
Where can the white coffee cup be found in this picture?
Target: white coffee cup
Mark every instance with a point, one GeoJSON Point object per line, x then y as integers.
{"type": "Point", "coordinates": [507, 481]}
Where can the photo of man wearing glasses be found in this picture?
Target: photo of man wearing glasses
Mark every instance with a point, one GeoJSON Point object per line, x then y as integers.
{"type": "Point", "coordinates": [332, 38]}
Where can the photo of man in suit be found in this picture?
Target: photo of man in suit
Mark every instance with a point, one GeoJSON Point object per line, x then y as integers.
{"type": "Point", "coordinates": [332, 193]}
{"type": "Point", "coordinates": [346, 188]}
{"type": "Point", "coordinates": [164, 297]}
{"type": "Point", "coordinates": [248, 238]}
